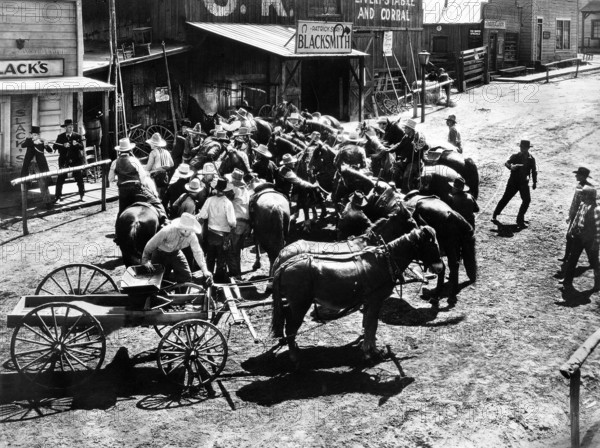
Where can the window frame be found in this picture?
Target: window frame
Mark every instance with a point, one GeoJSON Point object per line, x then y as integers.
{"type": "Point", "coordinates": [561, 36]}
{"type": "Point", "coordinates": [444, 38]}
{"type": "Point", "coordinates": [597, 34]}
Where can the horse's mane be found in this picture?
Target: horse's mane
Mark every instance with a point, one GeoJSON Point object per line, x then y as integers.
{"type": "Point", "coordinates": [412, 237]}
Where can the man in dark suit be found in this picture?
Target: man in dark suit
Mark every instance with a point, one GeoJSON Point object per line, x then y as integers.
{"type": "Point", "coordinates": [69, 145]}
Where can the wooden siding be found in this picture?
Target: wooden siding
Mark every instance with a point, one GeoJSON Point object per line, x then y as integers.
{"type": "Point", "coordinates": [588, 42]}
{"type": "Point", "coordinates": [48, 29]}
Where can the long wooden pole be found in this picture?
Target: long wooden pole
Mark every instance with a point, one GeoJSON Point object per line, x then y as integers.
{"type": "Point", "coordinates": [24, 207]}
{"type": "Point", "coordinates": [173, 116]}
{"type": "Point", "coordinates": [574, 394]}
{"type": "Point", "coordinates": [113, 38]}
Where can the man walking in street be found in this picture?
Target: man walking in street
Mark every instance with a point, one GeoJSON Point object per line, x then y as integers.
{"type": "Point", "coordinates": [522, 167]}
{"type": "Point", "coordinates": [69, 145]}
{"type": "Point", "coordinates": [585, 235]}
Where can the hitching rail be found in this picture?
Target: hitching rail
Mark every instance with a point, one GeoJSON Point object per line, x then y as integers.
{"type": "Point", "coordinates": [561, 62]}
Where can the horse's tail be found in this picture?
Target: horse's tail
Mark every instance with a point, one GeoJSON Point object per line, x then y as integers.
{"type": "Point", "coordinates": [278, 314]}
{"type": "Point", "coordinates": [472, 177]}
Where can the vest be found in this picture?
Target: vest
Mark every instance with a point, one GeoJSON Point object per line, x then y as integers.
{"type": "Point", "coordinates": [125, 170]}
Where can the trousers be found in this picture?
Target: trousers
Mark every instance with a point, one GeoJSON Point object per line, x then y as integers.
{"type": "Point", "coordinates": [512, 188]}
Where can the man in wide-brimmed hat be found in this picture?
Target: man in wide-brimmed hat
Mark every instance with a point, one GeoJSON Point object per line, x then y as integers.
{"type": "Point", "coordinates": [176, 188]}
{"type": "Point", "coordinates": [522, 167]}
{"type": "Point", "coordinates": [183, 142]}
{"type": "Point", "coordinates": [264, 167]}
{"type": "Point", "coordinates": [160, 163]}
{"type": "Point", "coordinates": [69, 145]}
{"type": "Point", "coordinates": [188, 201]}
{"type": "Point", "coordinates": [409, 157]}
{"type": "Point", "coordinates": [166, 248]}
{"type": "Point", "coordinates": [453, 134]}
{"type": "Point", "coordinates": [241, 207]}
{"type": "Point", "coordinates": [584, 231]}
{"type": "Point", "coordinates": [353, 221]}
{"type": "Point", "coordinates": [462, 202]}
{"type": "Point", "coordinates": [219, 213]}
{"type": "Point", "coordinates": [197, 139]}
{"type": "Point", "coordinates": [582, 174]}
{"type": "Point", "coordinates": [34, 148]}
{"type": "Point", "coordinates": [131, 180]}
{"type": "Point", "coordinates": [350, 152]}
{"type": "Point", "coordinates": [246, 119]}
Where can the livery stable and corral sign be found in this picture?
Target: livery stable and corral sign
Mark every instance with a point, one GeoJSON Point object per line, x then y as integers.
{"type": "Point", "coordinates": [392, 14]}
{"type": "Point", "coordinates": [31, 68]}
{"type": "Point", "coordinates": [323, 37]}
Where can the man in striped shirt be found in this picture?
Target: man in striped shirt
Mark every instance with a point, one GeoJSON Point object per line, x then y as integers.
{"type": "Point", "coordinates": [585, 233]}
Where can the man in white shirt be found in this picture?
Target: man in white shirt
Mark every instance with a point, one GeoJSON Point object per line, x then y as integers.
{"type": "Point", "coordinates": [219, 213]}
{"type": "Point", "coordinates": [166, 248]}
{"type": "Point", "coordinates": [241, 207]}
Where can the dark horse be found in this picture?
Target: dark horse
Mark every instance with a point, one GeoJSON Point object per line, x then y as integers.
{"type": "Point", "coordinates": [135, 226]}
{"type": "Point", "coordinates": [385, 229]}
{"type": "Point", "coordinates": [270, 219]}
{"type": "Point", "coordinates": [344, 282]}
{"type": "Point", "coordinates": [463, 166]}
{"type": "Point", "coordinates": [346, 182]}
{"type": "Point", "coordinates": [455, 235]}
{"type": "Point", "coordinates": [233, 159]}
{"type": "Point", "coordinates": [308, 196]}
{"type": "Point", "coordinates": [209, 151]}
{"type": "Point", "coordinates": [321, 164]}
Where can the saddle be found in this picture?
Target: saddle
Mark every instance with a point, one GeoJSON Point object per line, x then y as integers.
{"type": "Point", "coordinates": [261, 190]}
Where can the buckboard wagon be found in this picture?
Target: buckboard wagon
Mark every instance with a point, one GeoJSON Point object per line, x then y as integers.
{"type": "Point", "coordinates": [59, 332]}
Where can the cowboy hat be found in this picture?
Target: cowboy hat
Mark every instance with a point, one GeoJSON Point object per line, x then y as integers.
{"type": "Point", "coordinates": [451, 118]}
{"type": "Point", "coordinates": [351, 137]}
{"type": "Point", "coordinates": [35, 129]}
{"type": "Point", "coordinates": [459, 184]}
{"type": "Point", "coordinates": [221, 135]}
{"type": "Point", "coordinates": [525, 143]}
{"type": "Point", "coordinates": [263, 151]}
{"type": "Point", "coordinates": [183, 172]}
{"type": "Point", "coordinates": [294, 116]}
{"type": "Point", "coordinates": [287, 158]}
{"type": "Point", "coordinates": [188, 222]}
{"type": "Point", "coordinates": [194, 186]}
{"type": "Point", "coordinates": [67, 123]}
{"type": "Point", "coordinates": [289, 174]}
{"type": "Point", "coordinates": [583, 171]}
{"type": "Point", "coordinates": [186, 122]}
{"type": "Point", "coordinates": [124, 145]}
{"type": "Point", "coordinates": [221, 184]}
{"type": "Point", "coordinates": [242, 131]}
{"type": "Point", "coordinates": [157, 140]}
{"type": "Point", "coordinates": [242, 112]}
{"type": "Point", "coordinates": [197, 130]}
{"type": "Point", "coordinates": [237, 177]}
{"type": "Point", "coordinates": [209, 168]}
{"type": "Point", "coordinates": [217, 128]}
{"type": "Point", "coordinates": [411, 124]}
{"type": "Point", "coordinates": [358, 199]}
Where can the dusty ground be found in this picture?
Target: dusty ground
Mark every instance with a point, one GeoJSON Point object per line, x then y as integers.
{"type": "Point", "coordinates": [483, 374]}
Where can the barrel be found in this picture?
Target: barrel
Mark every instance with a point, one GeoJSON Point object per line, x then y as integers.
{"type": "Point", "coordinates": [93, 132]}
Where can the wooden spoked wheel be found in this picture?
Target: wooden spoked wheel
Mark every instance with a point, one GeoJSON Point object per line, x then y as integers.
{"type": "Point", "coordinates": [58, 338]}
{"type": "Point", "coordinates": [265, 111]}
{"type": "Point", "coordinates": [184, 288]}
{"type": "Point", "coordinates": [192, 353]}
{"type": "Point", "coordinates": [386, 104]}
{"type": "Point", "coordinates": [77, 279]}
{"type": "Point", "coordinates": [142, 150]}
{"type": "Point", "coordinates": [164, 132]}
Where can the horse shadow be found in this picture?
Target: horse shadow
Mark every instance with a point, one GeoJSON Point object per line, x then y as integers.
{"type": "Point", "coordinates": [109, 265]}
{"type": "Point", "coordinates": [318, 377]}
{"type": "Point", "coordinates": [20, 400]}
{"type": "Point", "coordinates": [398, 312]}
{"type": "Point", "coordinates": [506, 230]}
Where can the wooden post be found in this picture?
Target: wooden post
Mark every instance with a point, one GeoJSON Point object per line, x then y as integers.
{"type": "Point", "coordinates": [423, 94]}
{"type": "Point", "coordinates": [173, 116]}
{"type": "Point", "coordinates": [24, 207]}
{"type": "Point", "coordinates": [448, 90]}
{"type": "Point", "coordinates": [361, 82]}
{"type": "Point", "coordinates": [104, 179]}
{"type": "Point", "coordinates": [574, 394]}
{"type": "Point", "coordinates": [547, 74]}
{"type": "Point", "coordinates": [577, 69]}
{"type": "Point", "coordinates": [415, 105]}
{"type": "Point", "coordinates": [105, 154]}
{"type": "Point", "coordinates": [486, 67]}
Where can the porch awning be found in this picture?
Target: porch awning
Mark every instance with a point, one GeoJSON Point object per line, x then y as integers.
{"type": "Point", "coordinates": [275, 39]}
{"type": "Point", "coordinates": [592, 7]}
{"type": "Point", "coordinates": [46, 86]}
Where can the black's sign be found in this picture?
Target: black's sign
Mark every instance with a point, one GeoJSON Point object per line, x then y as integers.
{"type": "Point", "coordinates": [34, 68]}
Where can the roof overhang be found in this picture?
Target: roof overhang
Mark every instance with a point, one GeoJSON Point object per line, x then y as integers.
{"type": "Point", "coordinates": [276, 39]}
{"type": "Point", "coordinates": [592, 7]}
{"type": "Point", "coordinates": [63, 84]}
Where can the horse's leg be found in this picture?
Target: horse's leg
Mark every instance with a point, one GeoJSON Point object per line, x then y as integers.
{"type": "Point", "coordinates": [256, 264]}
{"type": "Point", "coordinates": [453, 266]}
{"type": "Point", "coordinates": [370, 321]}
{"type": "Point", "coordinates": [298, 306]}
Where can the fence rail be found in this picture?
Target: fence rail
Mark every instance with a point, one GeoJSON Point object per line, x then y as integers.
{"type": "Point", "coordinates": [23, 181]}
{"type": "Point", "coordinates": [561, 62]}
{"type": "Point", "coordinates": [472, 65]}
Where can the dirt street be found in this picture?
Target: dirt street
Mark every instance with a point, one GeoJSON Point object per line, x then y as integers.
{"type": "Point", "coordinates": [482, 374]}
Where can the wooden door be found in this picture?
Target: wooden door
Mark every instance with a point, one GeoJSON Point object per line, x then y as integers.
{"type": "Point", "coordinates": [49, 118]}
{"type": "Point", "coordinates": [366, 42]}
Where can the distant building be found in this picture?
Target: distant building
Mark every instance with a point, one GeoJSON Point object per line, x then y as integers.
{"type": "Point", "coordinates": [590, 27]}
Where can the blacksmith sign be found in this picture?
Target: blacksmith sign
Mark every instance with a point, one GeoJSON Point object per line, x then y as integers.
{"type": "Point", "coordinates": [323, 37]}
{"type": "Point", "coordinates": [34, 68]}
{"type": "Point", "coordinates": [494, 24]}
{"type": "Point", "coordinates": [392, 14]}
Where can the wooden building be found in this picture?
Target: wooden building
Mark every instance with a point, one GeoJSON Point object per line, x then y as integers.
{"type": "Point", "coordinates": [450, 27]}
{"type": "Point", "coordinates": [590, 28]}
{"type": "Point", "coordinates": [41, 82]}
{"type": "Point", "coordinates": [530, 32]}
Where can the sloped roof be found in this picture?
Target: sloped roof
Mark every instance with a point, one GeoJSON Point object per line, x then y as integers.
{"type": "Point", "coordinates": [451, 12]}
{"type": "Point", "coordinates": [591, 7]}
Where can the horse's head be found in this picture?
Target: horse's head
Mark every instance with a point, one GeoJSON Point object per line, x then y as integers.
{"type": "Point", "coordinates": [428, 249]}
{"type": "Point", "coordinates": [393, 132]}
{"type": "Point", "coordinates": [231, 160]}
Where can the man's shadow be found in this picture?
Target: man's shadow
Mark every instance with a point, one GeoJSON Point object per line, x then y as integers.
{"type": "Point", "coordinates": [506, 230]}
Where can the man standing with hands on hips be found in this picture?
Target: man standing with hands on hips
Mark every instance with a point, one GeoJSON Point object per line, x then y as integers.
{"type": "Point", "coordinates": [69, 145]}
{"type": "Point", "coordinates": [521, 166]}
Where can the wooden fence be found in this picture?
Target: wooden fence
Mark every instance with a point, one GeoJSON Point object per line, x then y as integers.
{"type": "Point", "coordinates": [572, 371]}
{"type": "Point", "coordinates": [472, 66]}
{"type": "Point", "coordinates": [552, 64]}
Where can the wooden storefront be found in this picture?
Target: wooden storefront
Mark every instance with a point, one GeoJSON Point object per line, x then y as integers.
{"type": "Point", "coordinates": [41, 82]}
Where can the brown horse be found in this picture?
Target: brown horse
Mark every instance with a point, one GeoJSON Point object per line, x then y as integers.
{"type": "Point", "coordinates": [344, 282]}
{"type": "Point", "coordinates": [135, 226]}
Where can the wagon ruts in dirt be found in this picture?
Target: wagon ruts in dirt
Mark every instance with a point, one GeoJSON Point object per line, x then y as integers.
{"type": "Point", "coordinates": [59, 336]}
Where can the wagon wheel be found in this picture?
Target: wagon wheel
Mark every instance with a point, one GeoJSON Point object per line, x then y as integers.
{"type": "Point", "coordinates": [164, 133]}
{"type": "Point", "coordinates": [192, 353]}
{"type": "Point", "coordinates": [138, 136]}
{"type": "Point", "coordinates": [182, 288]}
{"type": "Point", "coordinates": [387, 105]}
{"type": "Point", "coordinates": [265, 111]}
{"type": "Point", "coordinates": [57, 337]}
{"type": "Point", "coordinates": [77, 279]}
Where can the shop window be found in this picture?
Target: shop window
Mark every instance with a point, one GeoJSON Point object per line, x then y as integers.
{"type": "Point", "coordinates": [439, 44]}
{"type": "Point", "coordinates": [563, 34]}
{"type": "Point", "coordinates": [511, 44]}
{"type": "Point", "coordinates": [324, 7]}
{"type": "Point", "coordinates": [595, 29]}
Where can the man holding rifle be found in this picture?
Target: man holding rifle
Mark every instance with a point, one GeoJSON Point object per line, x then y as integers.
{"type": "Point", "coordinates": [521, 166]}
{"type": "Point", "coordinates": [69, 145]}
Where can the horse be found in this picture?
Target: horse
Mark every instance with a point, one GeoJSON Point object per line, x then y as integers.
{"type": "Point", "coordinates": [328, 133]}
{"type": "Point", "coordinates": [197, 115]}
{"type": "Point", "coordinates": [208, 152]}
{"type": "Point", "coordinates": [350, 154]}
{"type": "Point", "coordinates": [321, 164]}
{"type": "Point", "coordinates": [455, 235]}
{"type": "Point", "coordinates": [383, 200]}
{"type": "Point", "coordinates": [393, 132]}
{"type": "Point", "coordinates": [436, 179]}
{"type": "Point", "coordinates": [385, 229]}
{"type": "Point", "coordinates": [135, 226]}
{"type": "Point", "coordinates": [347, 181]}
{"type": "Point", "coordinates": [382, 161]}
{"type": "Point", "coordinates": [270, 219]}
{"type": "Point", "coordinates": [278, 146]}
{"type": "Point", "coordinates": [263, 131]}
{"type": "Point", "coordinates": [344, 282]}
{"type": "Point", "coordinates": [233, 158]}
{"type": "Point", "coordinates": [465, 167]}
{"type": "Point", "coordinates": [308, 196]}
